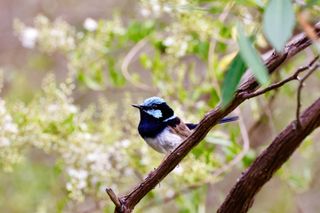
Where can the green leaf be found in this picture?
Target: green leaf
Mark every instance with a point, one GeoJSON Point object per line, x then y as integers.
{"type": "Point", "coordinates": [89, 81]}
{"type": "Point", "coordinates": [139, 30]}
{"type": "Point", "coordinates": [232, 79]}
{"type": "Point", "coordinates": [251, 57]}
{"type": "Point", "coordinates": [278, 22]}
{"type": "Point", "coordinates": [145, 61]}
{"type": "Point", "coordinates": [115, 75]}
{"type": "Point", "coordinates": [311, 3]}
{"type": "Point", "coordinates": [201, 49]}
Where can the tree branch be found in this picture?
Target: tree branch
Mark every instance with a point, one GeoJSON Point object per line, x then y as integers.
{"type": "Point", "coordinates": [130, 200]}
{"type": "Point", "coordinates": [241, 196]}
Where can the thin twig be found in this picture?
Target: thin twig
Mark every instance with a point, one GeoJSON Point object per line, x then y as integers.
{"type": "Point", "coordinates": [127, 60]}
{"type": "Point", "coordinates": [212, 46]}
{"type": "Point", "coordinates": [311, 70]}
{"type": "Point", "coordinates": [262, 115]}
{"type": "Point", "coordinates": [114, 198]}
{"type": "Point", "coordinates": [244, 151]}
{"type": "Point", "coordinates": [294, 76]}
{"type": "Point", "coordinates": [268, 112]}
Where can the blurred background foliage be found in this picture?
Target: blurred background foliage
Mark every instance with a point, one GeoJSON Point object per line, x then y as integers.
{"type": "Point", "coordinates": [70, 72]}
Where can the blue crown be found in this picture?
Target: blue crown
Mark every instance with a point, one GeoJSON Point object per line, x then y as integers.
{"type": "Point", "coordinates": [153, 100]}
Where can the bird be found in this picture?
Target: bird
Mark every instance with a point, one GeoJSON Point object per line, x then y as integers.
{"type": "Point", "coordinates": [161, 128]}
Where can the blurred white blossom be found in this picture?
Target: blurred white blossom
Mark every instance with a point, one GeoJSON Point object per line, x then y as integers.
{"type": "Point", "coordinates": [28, 37]}
{"type": "Point", "coordinates": [90, 24]}
{"type": "Point", "coordinates": [168, 41]}
{"type": "Point", "coordinates": [8, 139]}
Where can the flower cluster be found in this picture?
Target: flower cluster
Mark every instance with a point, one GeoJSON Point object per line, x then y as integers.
{"type": "Point", "coordinates": [49, 36]}
{"type": "Point", "coordinates": [9, 144]}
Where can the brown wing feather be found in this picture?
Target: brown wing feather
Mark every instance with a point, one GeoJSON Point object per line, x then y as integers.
{"type": "Point", "coordinates": [178, 127]}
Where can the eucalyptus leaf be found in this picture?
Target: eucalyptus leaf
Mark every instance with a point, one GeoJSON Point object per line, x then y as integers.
{"type": "Point", "coordinates": [278, 22]}
{"type": "Point", "coordinates": [232, 79]}
{"type": "Point", "coordinates": [251, 57]}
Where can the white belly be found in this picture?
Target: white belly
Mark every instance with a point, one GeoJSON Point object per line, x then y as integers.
{"type": "Point", "coordinates": [165, 142]}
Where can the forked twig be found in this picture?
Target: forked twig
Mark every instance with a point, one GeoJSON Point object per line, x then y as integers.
{"type": "Point", "coordinates": [294, 76]}
{"type": "Point", "coordinates": [301, 84]}
{"type": "Point", "coordinates": [128, 59]}
{"type": "Point", "coordinates": [114, 199]}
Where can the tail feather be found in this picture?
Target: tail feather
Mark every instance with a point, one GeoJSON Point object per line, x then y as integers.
{"type": "Point", "coordinates": [192, 126]}
{"type": "Point", "coordinates": [228, 119]}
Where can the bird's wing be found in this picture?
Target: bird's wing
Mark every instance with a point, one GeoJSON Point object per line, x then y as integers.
{"type": "Point", "coordinates": [176, 126]}
{"type": "Point", "coordinates": [185, 129]}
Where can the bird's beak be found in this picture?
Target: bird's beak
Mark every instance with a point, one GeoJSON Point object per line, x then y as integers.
{"type": "Point", "coordinates": [136, 106]}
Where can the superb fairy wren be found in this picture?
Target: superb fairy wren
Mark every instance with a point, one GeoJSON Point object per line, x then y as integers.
{"type": "Point", "coordinates": [161, 128]}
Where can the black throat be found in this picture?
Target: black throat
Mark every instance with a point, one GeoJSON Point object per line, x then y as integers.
{"type": "Point", "coordinates": [149, 126]}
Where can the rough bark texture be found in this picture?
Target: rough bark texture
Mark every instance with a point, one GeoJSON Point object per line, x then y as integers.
{"type": "Point", "coordinates": [242, 194]}
{"type": "Point", "coordinates": [129, 201]}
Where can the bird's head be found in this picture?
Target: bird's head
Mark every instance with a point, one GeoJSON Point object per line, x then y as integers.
{"type": "Point", "coordinates": [155, 107]}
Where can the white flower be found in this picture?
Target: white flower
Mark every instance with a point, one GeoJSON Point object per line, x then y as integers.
{"type": "Point", "coordinates": [145, 160]}
{"type": "Point", "coordinates": [86, 136]}
{"type": "Point", "coordinates": [78, 174]}
{"type": "Point", "coordinates": [57, 33]}
{"type": "Point", "coordinates": [29, 37]}
{"type": "Point", "coordinates": [156, 8]}
{"type": "Point", "coordinates": [183, 48]}
{"type": "Point", "coordinates": [125, 143]}
{"type": "Point", "coordinates": [170, 193]}
{"type": "Point", "coordinates": [10, 127]}
{"type": "Point", "coordinates": [4, 142]}
{"type": "Point", "coordinates": [53, 107]}
{"type": "Point", "coordinates": [128, 172]}
{"type": "Point", "coordinates": [90, 24]}
{"type": "Point", "coordinates": [167, 8]}
{"type": "Point", "coordinates": [72, 109]}
{"type": "Point", "coordinates": [92, 157]}
{"type": "Point", "coordinates": [178, 170]}
{"type": "Point", "coordinates": [168, 41]}
{"type": "Point", "coordinates": [82, 184]}
{"type": "Point", "coordinates": [69, 186]}
{"type": "Point", "coordinates": [145, 12]}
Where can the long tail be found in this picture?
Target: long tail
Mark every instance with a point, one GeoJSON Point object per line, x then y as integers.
{"type": "Point", "coordinates": [228, 119]}
{"type": "Point", "coordinates": [222, 121]}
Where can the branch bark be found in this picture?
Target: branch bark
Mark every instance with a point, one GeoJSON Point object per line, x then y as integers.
{"type": "Point", "coordinates": [129, 201]}
{"type": "Point", "coordinates": [241, 196]}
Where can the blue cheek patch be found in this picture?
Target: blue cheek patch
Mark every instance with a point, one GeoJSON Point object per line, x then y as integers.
{"type": "Point", "coordinates": [155, 113]}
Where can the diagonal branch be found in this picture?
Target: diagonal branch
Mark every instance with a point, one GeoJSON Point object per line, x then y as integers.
{"type": "Point", "coordinates": [130, 200]}
{"type": "Point", "coordinates": [241, 196]}
{"type": "Point", "coordinates": [215, 174]}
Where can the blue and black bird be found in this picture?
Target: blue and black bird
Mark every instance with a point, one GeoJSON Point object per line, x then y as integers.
{"type": "Point", "coordinates": [161, 128]}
